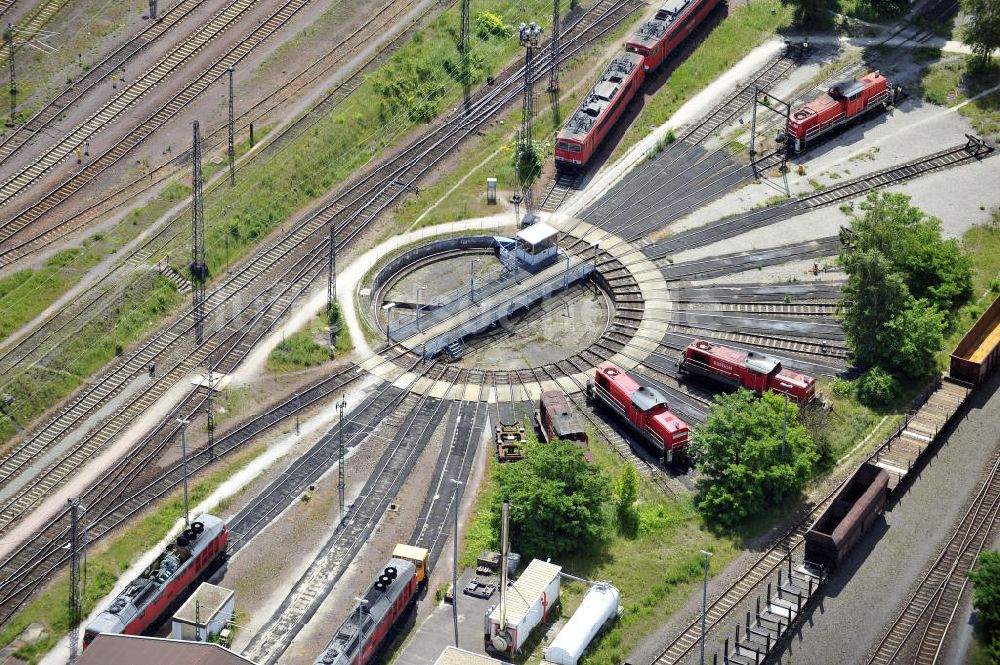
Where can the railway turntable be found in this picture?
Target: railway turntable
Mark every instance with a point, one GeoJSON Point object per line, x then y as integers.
{"type": "Point", "coordinates": [533, 268]}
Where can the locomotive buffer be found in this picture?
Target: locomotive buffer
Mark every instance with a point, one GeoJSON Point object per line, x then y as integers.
{"type": "Point", "coordinates": [537, 270]}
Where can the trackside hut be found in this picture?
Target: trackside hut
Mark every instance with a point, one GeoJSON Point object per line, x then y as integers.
{"type": "Point", "coordinates": [528, 603]}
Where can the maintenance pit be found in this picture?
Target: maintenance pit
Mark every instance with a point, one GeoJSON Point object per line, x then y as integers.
{"type": "Point", "coordinates": [492, 301]}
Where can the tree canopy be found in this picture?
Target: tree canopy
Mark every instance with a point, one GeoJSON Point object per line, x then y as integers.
{"type": "Point", "coordinates": [739, 451]}
{"type": "Point", "coordinates": [902, 277]}
{"type": "Point", "coordinates": [559, 503]}
{"type": "Point", "coordinates": [982, 32]}
{"type": "Point", "coordinates": [986, 599]}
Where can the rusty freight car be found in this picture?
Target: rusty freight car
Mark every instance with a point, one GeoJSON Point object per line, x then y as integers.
{"type": "Point", "coordinates": [978, 353]}
{"type": "Point", "coordinates": [851, 514]}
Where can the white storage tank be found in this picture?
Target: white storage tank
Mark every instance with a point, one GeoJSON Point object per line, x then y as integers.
{"type": "Point", "coordinates": [599, 606]}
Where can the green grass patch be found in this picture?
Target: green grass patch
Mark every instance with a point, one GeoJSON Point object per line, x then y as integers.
{"type": "Point", "coordinates": [309, 347]}
{"type": "Point", "coordinates": [106, 563]}
{"type": "Point", "coordinates": [956, 80]}
{"type": "Point", "coordinates": [36, 386]}
{"type": "Point", "coordinates": [743, 30]}
{"type": "Point", "coordinates": [870, 10]}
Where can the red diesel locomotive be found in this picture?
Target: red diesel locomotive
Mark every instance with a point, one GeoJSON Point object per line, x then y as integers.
{"type": "Point", "coordinates": [642, 407]}
{"type": "Point", "coordinates": [754, 371]}
{"type": "Point", "coordinates": [646, 50]}
{"type": "Point", "coordinates": [844, 103]}
{"type": "Point", "coordinates": [166, 583]}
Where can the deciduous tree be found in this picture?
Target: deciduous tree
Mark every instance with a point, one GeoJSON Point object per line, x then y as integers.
{"type": "Point", "coordinates": [560, 503]}
{"type": "Point", "coordinates": [982, 32]}
{"type": "Point", "coordinates": [739, 451]}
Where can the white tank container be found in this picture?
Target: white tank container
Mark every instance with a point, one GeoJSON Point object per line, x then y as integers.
{"type": "Point", "coordinates": [598, 607]}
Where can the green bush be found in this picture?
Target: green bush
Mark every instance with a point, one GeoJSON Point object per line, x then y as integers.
{"type": "Point", "coordinates": [842, 387]}
{"type": "Point", "coordinates": [296, 352]}
{"type": "Point", "coordinates": [489, 25]}
{"type": "Point", "coordinates": [876, 387]}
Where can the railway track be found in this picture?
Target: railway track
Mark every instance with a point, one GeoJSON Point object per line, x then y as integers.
{"type": "Point", "coordinates": [918, 633]}
{"type": "Point", "coordinates": [973, 149]}
{"type": "Point", "coordinates": [129, 488]}
{"type": "Point", "coordinates": [72, 93]}
{"type": "Point", "coordinates": [350, 212]}
{"type": "Point", "coordinates": [315, 584]}
{"type": "Point", "coordinates": [35, 20]}
{"type": "Point", "coordinates": [759, 571]}
{"type": "Point", "coordinates": [118, 106]}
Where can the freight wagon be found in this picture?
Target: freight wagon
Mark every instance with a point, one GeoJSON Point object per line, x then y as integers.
{"type": "Point", "coordinates": [851, 513]}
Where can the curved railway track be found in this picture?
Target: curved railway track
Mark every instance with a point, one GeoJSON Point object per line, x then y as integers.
{"type": "Point", "coordinates": [918, 633]}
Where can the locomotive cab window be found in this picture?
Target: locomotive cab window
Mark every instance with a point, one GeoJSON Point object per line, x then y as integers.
{"type": "Point", "coordinates": [571, 147]}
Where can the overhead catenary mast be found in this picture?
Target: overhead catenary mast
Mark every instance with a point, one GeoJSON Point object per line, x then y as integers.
{"type": "Point", "coordinates": [199, 270]}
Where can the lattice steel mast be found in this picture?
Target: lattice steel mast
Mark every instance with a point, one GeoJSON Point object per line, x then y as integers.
{"type": "Point", "coordinates": [199, 270]}
{"type": "Point", "coordinates": [463, 46]}
{"type": "Point", "coordinates": [232, 150]}
{"type": "Point", "coordinates": [554, 72]}
{"type": "Point", "coordinates": [13, 76]}
{"type": "Point", "coordinates": [331, 287]}
{"type": "Point", "coordinates": [529, 35]}
{"type": "Point", "coordinates": [77, 576]}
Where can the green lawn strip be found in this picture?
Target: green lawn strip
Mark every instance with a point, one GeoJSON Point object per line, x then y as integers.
{"type": "Point", "coordinates": [410, 89]}
{"type": "Point", "coordinates": [37, 386]}
{"type": "Point", "coordinates": [737, 35]}
{"type": "Point", "coordinates": [106, 562]}
{"type": "Point", "coordinates": [308, 347]}
{"type": "Point", "coordinates": [952, 81]}
{"type": "Point", "coordinates": [26, 293]}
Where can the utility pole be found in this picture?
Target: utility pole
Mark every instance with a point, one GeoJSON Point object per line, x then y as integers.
{"type": "Point", "coordinates": [184, 467]}
{"type": "Point", "coordinates": [199, 271]}
{"type": "Point", "coordinates": [13, 77]}
{"type": "Point", "coordinates": [210, 411]}
{"type": "Point", "coordinates": [77, 576]}
{"type": "Point", "coordinates": [232, 150]}
{"type": "Point", "coordinates": [529, 34]}
{"type": "Point", "coordinates": [152, 10]}
{"type": "Point", "coordinates": [454, 556]}
{"type": "Point", "coordinates": [341, 474]}
{"type": "Point", "coordinates": [464, 48]}
{"type": "Point", "coordinates": [704, 605]}
{"type": "Point", "coordinates": [554, 72]}
{"type": "Point", "coordinates": [331, 288]}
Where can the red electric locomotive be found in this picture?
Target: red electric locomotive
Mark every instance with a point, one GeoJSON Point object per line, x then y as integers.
{"type": "Point", "coordinates": [754, 371]}
{"type": "Point", "coordinates": [590, 123]}
{"type": "Point", "coordinates": [390, 595]}
{"type": "Point", "coordinates": [166, 583]}
{"type": "Point", "coordinates": [660, 35]}
{"type": "Point", "coordinates": [844, 103]}
{"type": "Point", "coordinates": [646, 50]}
{"type": "Point", "coordinates": [642, 407]}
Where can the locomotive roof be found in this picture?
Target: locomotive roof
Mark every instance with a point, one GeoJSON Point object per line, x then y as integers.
{"type": "Point", "coordinates": [652, 31]}
{"type": "Point", "coordinates": [758, 362]}
{"type": "Point", "coordinates": [761, 363]}
{"type": "Point", "coordinates": [601, 96]}
{"type": "Point", "coordinates": [847, 88]}
{"type": "Point", "coordinates": [343, 647]}
{"type": "Point", "coordinates": [645, 398]}
{"type": "Point", "coordinates": [140, 591]}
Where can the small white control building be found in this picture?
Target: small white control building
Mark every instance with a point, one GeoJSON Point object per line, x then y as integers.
{"type": "Point", "coordinates": [537, 244]}
{"type": "Point", "coordinates": [204, 614]}
{"type": "Point", "coordinates": [599, 606]}
{"type": "Point", "coordinates": [528, 603]}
